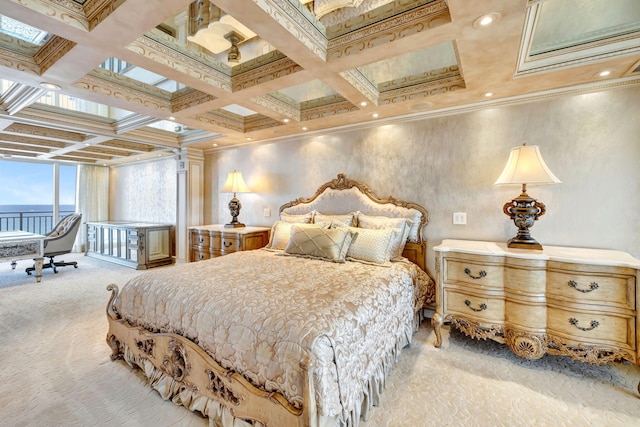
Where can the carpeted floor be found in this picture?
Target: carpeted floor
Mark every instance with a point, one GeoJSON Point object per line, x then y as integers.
{"type": "Point", "coordinates": [56, 370]}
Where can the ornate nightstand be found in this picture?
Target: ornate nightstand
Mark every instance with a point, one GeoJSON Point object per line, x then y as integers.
{"type": "Point", "coordinates": [581, 303]}
{"type": "Point", "coordinates": [210, 241]}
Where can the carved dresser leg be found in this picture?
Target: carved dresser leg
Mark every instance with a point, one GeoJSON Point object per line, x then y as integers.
{"type": "Point", "coordinates": [436, 323]}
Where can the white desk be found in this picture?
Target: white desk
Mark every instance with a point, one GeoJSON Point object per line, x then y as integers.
{"type": "Point", "coordinates": [15, 245]}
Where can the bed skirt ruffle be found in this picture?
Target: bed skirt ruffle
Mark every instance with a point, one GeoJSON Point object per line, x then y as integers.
{"type": "Point", "coordinates": [220, 415]}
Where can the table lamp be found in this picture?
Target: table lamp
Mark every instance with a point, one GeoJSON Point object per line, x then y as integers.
{"type": "Point", "coordinates": [525, 166]}
{"type": "Point", "coordinates": [235, 184]}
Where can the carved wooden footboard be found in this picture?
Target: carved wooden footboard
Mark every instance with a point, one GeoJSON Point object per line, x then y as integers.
{"type": "Point", "coordinates": [185, 362]}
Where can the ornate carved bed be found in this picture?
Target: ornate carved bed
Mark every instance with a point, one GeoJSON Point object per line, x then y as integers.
{"type": "Point", "coordinates": [301, 333]}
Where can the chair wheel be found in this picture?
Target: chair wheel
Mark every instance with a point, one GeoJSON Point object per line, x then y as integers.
{"type": "Point", "coordinates": [75, 266]}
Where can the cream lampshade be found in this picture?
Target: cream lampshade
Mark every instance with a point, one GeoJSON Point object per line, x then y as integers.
{"type": "Point", "coordinates": [234, 184]}
{"type": "Point", "coordinates": [525, 166]}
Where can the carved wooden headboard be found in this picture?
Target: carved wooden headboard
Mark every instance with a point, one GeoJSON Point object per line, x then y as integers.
{"type": "Point", "coordinates": [343, 195]}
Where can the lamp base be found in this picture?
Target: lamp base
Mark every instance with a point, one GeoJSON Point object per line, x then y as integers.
{"type": "Point", "coordinates": [234, 208]}
{"type": "Point", "coordinates": [234, 225]}
{"type": "Point", "coordinates": [516, 243]}
{"type": "Point", "coordinates": [524, 211]}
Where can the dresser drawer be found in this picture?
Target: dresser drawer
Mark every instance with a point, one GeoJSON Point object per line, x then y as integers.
{"type": "Point", "coordinates": [488, 275]}
{"type": "Point", "coordinates": [200, 255]}
{"type": "Point", "coordinates": [592, 288]}
{"type": "Point", "coordinates": [200, 239]}
{"type": "Point", "coordinates": [483, 308]}
{"type": "Point", "coordinates": [592, 327]}
{"type": "Point", "coordinates": [229, 244]}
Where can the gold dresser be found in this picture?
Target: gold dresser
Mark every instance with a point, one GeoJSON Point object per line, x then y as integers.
{"type": "Point", "coordinates": [210, 241]}
{"type": "Point", "coordinates": [580, 303]}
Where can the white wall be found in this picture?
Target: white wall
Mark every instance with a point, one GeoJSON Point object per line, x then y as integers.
{"type": "Point", "coordinates": [144, 192]}
{"type": "Point", "coordinates": [590, 141]}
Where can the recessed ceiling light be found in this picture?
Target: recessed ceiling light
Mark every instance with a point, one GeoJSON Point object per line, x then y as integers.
{"type": "Point", "coordinates": [286, 120]}
{"type": "Point", "coordinates": [171, 118]}
{"type": "Point", "coordinates": [248, 138]}
{"type": "Point", "coordinates": [375, 115]}
{"type": "Point", "coordinates": [50, 86]}
{"type": "Point", "coordinates": [486, 20]}
{"type": "Point", "coordinates": [305, 128]}
{"type": "Point", "coordinates": [422, 106]}
{"type": "Point", "coordinates": [604, 73]}
{"type": "Point", "coordinates": [87, 144]}
{"type": "Point", "coordinates": [215, 145]}
{"type": "Point", "coordinates": [363, 104]}
{"type": "Point", "coordinates": [488, 94]}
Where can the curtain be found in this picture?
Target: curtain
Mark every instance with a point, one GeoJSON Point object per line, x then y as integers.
{"type": "Point", "coordinates": [92, 199]}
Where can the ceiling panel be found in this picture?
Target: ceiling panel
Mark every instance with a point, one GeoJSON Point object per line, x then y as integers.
{"type": "Point", "coordinates": [134, 85]}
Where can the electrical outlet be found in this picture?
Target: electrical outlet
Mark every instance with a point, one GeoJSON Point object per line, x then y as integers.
{"type": "Point", "coordinates": [266, 212]}
{"type": "Point", "coordinates": [459, 218]}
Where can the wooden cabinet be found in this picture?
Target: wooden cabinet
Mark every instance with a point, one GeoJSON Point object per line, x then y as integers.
{"type": "Point", "coordinates": [581, 303]}
{"type": "Point", "coordinates": [210, 241]}
{"type": "Point", "coordinates": [140, 245]}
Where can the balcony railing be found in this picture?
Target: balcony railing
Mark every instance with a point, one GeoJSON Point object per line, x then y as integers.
{"type": "Point", "coordinates": [39, 222]}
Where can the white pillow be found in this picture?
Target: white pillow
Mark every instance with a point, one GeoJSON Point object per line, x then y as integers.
{"type": "Point", "coordinates": [371, 246]}
{"type": "Point", "coordinates": [302, 218]}
{"type": "Point", "coordinates": [349, 218]}
{"type": "Point", "coordinates": [401, 227]}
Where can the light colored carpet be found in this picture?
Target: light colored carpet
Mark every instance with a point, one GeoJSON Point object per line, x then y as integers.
{"type": "Point", "coordinates": [55, 370]}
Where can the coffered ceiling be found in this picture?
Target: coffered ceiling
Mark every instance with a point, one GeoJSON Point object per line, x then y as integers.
{"type": "Point", "coordinates": [134, 83]}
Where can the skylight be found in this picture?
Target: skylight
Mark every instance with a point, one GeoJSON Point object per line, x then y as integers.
{"type": "Point", "coordinates": [74, 103]}
{"type": "Point", "coordinates": [22, 31]}
{"type": "Point", "coordinates": [169, 126]}
{"type": "Point", "coordinates": [5, 85]}
{"type": "Point", "coordinates": [239, 110]}
{"type": "Point", "coordinates": [140, 74]}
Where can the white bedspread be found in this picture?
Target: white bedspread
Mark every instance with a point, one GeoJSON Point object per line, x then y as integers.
{"type": "Point", "coordinates": [259, 312]}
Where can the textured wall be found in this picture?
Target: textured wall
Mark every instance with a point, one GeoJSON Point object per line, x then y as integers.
{"type": "Point", "coordinates": [144, 192]}
{"type": "Point", "coordinates": [449, 163]}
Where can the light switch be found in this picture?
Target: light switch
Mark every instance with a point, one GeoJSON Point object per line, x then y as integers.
{"type": "Point", "coordinates": [459, 218]}
{"type": "Point", "coordinates": [267, 212]}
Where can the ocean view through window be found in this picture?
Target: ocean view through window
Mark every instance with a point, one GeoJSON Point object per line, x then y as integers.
{"type": "Point", "coordinates": [28, 200]}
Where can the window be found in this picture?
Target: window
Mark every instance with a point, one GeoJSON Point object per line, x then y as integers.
{"type": "Point", "coordinates": [27, 200]}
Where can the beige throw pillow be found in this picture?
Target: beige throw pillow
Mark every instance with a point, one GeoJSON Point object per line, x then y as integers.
{"type": "Point", "coordinates": [370, 246]}
{"type": "Point", "coordinates": [281, 231]}
{"type": "Point", "coordinates": [401, 227]}
{"type": "Point", "coordinates": [324, 243]}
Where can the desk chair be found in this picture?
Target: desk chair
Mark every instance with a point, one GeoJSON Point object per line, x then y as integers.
{"type": "Point", "coordinates": [60, 241]}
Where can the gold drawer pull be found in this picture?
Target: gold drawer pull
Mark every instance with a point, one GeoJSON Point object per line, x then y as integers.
{"type": "Point", "coordinates": [574, 322]}
{"type": "Point", "coordinates": [227, 244]}
{"type": "Point", "coordinates": [479, 276]}
{"type": "Point", "coordinates": [483, 306]}
{"type": "Point", "coordinates": [592, 287]}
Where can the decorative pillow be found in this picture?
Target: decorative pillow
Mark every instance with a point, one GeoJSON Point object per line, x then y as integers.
{"type": "Point", "coordinates": [370, 246]}
{"type": "Point", "coordinates": [281, 231]}
{"type": "Point", "coordinates": [303, 218]}
{"type": "Point", "coordinates": [401, 227]}
{"type": "Point", "coordinates": [324, 243]}
{"type": "Point", "coordinates": [349, 219]}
